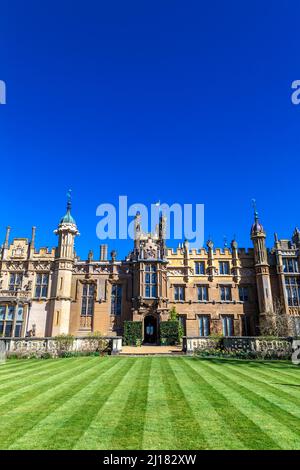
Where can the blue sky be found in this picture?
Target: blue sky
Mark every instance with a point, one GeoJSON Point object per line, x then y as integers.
{"type": "Point", "coordinates": [175, 101]}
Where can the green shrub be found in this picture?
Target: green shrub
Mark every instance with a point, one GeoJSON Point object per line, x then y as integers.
{"type": "Point", "coordinates": [169, 332]}
{"type": "Point", "coordinates": [45, 355]}
{"type": "Point", "coordinates": [132, 333]}
{"type": "Point", "coordinates": [64, 344]}
{"type": "Point", "coordinates": [97, 343]}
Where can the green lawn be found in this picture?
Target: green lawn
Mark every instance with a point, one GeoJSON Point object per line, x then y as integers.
{"type": "Point", "coordinates": [149, 403]}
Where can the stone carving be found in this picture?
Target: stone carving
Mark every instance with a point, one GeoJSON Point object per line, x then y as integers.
{"type": "Point", "coordinates": [15, 266]}
{"type": "Point", "coordinates": [80, 269]}
{"type": "Point", "coordinates": [101, 269]}
{"type": "Point", "coordinates": [42, 266]}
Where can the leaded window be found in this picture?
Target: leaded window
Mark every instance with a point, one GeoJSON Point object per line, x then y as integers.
{"type": "Point", "coordinates": [223, 267]}
{"type": "Point", "coordinates": [290, 265]}
{"type": "Point", "coordinates": [204, 325]}
{"type": "Point", "coordinates": [199, 267]}
{"type": "Point", "coordinates": [202, 292]}
{"type": "Point", "coordinates": [243, 294]}
{"type": "Point", "coordinates": [41, 285]}
{"type": "Point", "coordinates": [11, 320]}
{"type": "Point", "coordinates": [15, 281]}
{"type": "Point", "coordinates": [116, 299]}
{"type": "Point", "coordinates": [292, 285]}
{"type": "Point", "coordinates": [150, 281]}
{"type": "Point", "coordinates": [227, 325]}
{"type": "Point", "coordinates": [225, 293]}
{"type": "Point", "coordinates": [87, 305]}
{"type": "Point", "coordinates": [179, 293]}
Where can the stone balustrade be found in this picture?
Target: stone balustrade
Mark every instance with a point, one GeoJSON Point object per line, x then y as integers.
{"type": "Point", "coordinates": [38, 346]}
{"type": "Point", "coordinates": [238, 343]}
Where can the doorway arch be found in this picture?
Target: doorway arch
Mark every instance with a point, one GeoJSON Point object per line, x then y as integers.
{"type": "Point", "coordinates": [150, 329]}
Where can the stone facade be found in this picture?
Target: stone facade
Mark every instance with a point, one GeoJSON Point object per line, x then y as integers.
{"type": "Point", "coordinates": [229, 291]}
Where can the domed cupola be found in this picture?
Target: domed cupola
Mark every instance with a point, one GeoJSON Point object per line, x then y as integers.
{"type": "Point", "coordinates": [66, 231]}
{"type": "Point", "coordinates": [68, 218]}
{"type": "Point", "coordinates": [257, 227]}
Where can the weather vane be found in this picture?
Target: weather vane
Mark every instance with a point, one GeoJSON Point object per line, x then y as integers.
{"type": "Point", "coordinates": [69, 196]}
{"type": "Point", "coordinates": [254, 207]}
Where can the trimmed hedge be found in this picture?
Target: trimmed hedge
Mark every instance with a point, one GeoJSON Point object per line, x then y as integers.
{"type": "Point", "coordinates": [169, 332]}
{"type": "Point", "coordinates": [132, 332]}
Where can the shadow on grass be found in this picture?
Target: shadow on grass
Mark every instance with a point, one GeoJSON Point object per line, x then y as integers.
{"type": "Point", "coordinates": [287, 385]}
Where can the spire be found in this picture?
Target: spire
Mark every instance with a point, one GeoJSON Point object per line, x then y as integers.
{"type": "Point", "coordinates": [255, 210]}
{"type": "Point", "coordinates": [67, 218]}
{"type": "Point", "coordinates": [6, 241]}
{"type": "Point", "coordinates": [296, 236]}
{"type": "Point", "coordinates": [257, 227]}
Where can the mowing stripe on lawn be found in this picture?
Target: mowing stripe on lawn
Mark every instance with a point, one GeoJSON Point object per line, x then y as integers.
{"type": "Point", "coordinates": [26, 369]}
{"type": "Point", "coordinates": [181, 413]}
{"type": "Point", "coordinates": [158, 430]}
{"type": "Point", "coordinates": [18, 383]}
{"type": "Point", "coordinates": [24, 417]}
{"type": "Point", "coordinates": [98, 434]}
{"type": "Point", "coordinates": [10, 364]}
{"type": "Point", "coordinates": [34, 388]}
{"type": "Point", "coordinates": [269, 368]}
{"type": "Point", "coordinates": [264, 415]}
{"type": "Point", "coordinates": [241, 425]}
{"type": "Point", "coordinates": [128, 434]}
{"type": "Point", "coordinates": [262, 380]}
{"type": "Point", "coordinates": [270, 373]}
{"type": "Point", "coordinates": [284, 411]}
{"type": "Point", "coordinates": [66, 424]}
{"type": "Point", "coordinates": [205, 411]}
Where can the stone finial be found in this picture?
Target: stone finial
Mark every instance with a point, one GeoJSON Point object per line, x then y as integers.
{"type": "Point", "coordinates": [33, 232]}
{"type": "Point", "coordinates": [113, 255]}
{"type": "Point", "coordinates": [6, 241]}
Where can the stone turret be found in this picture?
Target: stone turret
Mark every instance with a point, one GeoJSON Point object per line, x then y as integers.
{"type": "Point", "coordinates": [296, 237]}
{"type": "Point", "coordinates": [63, 268]}
{"type": "Point", "coordinates": [262, 270]}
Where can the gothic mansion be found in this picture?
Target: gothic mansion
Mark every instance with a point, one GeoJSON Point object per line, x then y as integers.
{"type": "Point", "coordinates": [229, 291]}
